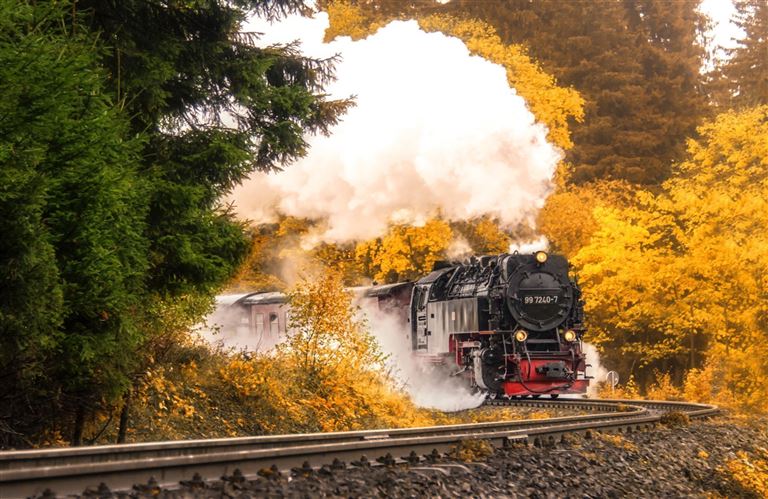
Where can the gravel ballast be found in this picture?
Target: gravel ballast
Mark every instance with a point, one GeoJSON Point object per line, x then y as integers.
{"type": "Point", "coordinates": [686, 461]}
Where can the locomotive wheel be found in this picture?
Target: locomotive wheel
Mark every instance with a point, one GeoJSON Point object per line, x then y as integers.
{"type": "Point", "coordinates": [538, 395]}
{"type": "Point", "coordinates": [554, 395]}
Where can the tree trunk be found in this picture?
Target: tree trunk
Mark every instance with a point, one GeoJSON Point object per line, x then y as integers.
{"type": "Point", "coordinates": [123, 428]}
{"type": "Point", "coordinates": [77, 434]}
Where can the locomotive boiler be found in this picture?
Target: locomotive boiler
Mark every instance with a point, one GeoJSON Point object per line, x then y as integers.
{"type": "Point", "coordinates": [512, 323]}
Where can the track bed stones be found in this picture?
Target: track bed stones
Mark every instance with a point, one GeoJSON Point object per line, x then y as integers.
{"type": "Point", "coordinates": [688, 461]}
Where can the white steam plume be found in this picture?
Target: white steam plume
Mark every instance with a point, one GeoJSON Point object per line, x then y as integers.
{"type": "Point", "coordinates": [597, 371]}
{"type": "Point", "coordinates": [428, 386]}
{"type": "Point", "coordinates": [435, 131]}
{"type": "Point", "coordinates": [532, 246]}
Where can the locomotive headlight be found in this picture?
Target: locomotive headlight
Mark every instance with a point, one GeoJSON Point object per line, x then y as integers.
{"type": "Point", "coordinates": [570, 335]}
{"type": "Point", "coordinates": [521, 335]}
{"type": "Point", "coordinates": [541, 256]}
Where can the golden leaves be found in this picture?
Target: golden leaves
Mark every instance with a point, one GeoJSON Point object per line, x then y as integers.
{"type": "Point", "coordinates": [405, 252]}
{"type": "Point", "coordinates": [682, 273]}
{"type": "Point", "coordinates": [749, 472]}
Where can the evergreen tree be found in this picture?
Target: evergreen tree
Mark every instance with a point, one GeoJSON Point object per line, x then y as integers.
{"type": "Point", "coordinates": [668, 36]}
{"type": "Point", "coordinates": [73, 253]}
{"type": "Point", "coordinates": [746, 72]}
{"type": "Point", "coordinates": [124, 124]}
{"type": "Point", "coordinates": [214, 108]}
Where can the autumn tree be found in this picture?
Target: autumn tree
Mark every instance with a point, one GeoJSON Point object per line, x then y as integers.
{"type": "Point", "coordinates": [405, 252]}
{"type": "Point", "coordinates": [567, 218]}
{"type": "Point", "coordinates": [628, 273]}
{"type": "Point", "coordinates": [680, 277]}
{"type": "Point", "coordinates": [483, 235]}
{"type": "Point", "coordinates": [335, 368]}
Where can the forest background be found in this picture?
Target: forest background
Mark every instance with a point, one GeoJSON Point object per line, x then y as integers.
{"type": "Point", "coordinates": [125, 126]}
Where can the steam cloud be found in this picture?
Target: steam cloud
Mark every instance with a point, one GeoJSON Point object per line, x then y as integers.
{"type": "Point", "coordinates": [525, 247]}
{"type": "Point", "coordinates": [435, 131]}
{"type": "Point", "coordinates": [428, 386]}
{"type": "Point", "coordinates": [597, 371]}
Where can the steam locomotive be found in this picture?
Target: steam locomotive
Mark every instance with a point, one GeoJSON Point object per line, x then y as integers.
{"type": "Point", "coordinates": [511, 324]}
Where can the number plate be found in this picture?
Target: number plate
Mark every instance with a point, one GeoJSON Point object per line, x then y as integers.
{"type": "Point", "coordinates": [540, 299]}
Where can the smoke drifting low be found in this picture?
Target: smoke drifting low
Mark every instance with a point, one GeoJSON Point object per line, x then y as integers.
{"type": "Point", "coordinates": [596, 369]}
{"type": "Point", "coordinates": [435, 131]}
{"type": "Point", "coordinates": [428, 386]}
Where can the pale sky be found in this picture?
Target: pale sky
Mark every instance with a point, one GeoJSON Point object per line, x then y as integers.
{"type": "Point", "coordinates": [720, 11]}
{"type": "Point", "coordinates": [723, 31]}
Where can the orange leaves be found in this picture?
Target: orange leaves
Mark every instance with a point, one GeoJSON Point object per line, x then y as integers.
{"type": "Point", "coordinates": [242, 376]}
{"type": "Point", "coordinates": [663, 388]}
{"type": "Point", "coordinates": [749, 472]}
{"type": "Point", "coordinates": [406, 251]}
{"type": "Point", "coordinates": [678, 275]}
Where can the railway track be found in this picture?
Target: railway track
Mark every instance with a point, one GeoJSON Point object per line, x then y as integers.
{"type": "Point", "coordinates": [72, 470]}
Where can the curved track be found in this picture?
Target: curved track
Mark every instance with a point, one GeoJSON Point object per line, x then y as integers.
{"type": "Point", "coordinates": [71, 470]}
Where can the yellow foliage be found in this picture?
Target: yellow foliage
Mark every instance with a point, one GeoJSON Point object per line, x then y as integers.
{"type": "Point", "coordinates": [628, 390]}
{"type": "Point", "coordinates": [683, 274]}
{"type": "Point", "coordinates": [749, 473]}
{"type": "Point", "coordinates": [347, 20]}
{"type": "Point", "coordinates": [405, 252]}
{"type": "Point", "coordinates": [326, 334]}
{"type": "Point", "coordinates": [568, 218]}
{"type": "Point", "coordinates": [484, 235]}
{"type": "Point", "coordinates": [617, 441]}
{"type": "Point", "coordinates": [280, 256]}
{"type": "Point", "coordinates": [663, 388]}
{"type": "Point", "coordinates": [702, 383]}
{"type": "Point", "coordinates": [550, 104]}
{"type": "Point", "coordinates": [568, 233]}
{"type": "Point", "coordinates": [472, 450]}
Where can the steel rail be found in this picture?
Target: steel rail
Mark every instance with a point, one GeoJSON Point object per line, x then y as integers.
{"type": "Point", "coordinates": [72, 470]}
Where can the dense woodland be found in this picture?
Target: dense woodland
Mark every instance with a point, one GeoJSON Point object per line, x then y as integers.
{"type": "Point", "coordinates": [124, 125]}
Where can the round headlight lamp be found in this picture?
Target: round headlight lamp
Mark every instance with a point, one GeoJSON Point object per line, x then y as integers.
{"type": "Point", "coordinates": [521, 335]}
{"type": "Point", "coordinates": [570, 335]}
{"type": "Point", "coordinates": [541, 256]}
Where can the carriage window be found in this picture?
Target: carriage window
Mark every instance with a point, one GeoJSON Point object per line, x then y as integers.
{"type": "Point", "coordinates": [258, 325]}
{"type": "Point", "coordinates": [274, 325]}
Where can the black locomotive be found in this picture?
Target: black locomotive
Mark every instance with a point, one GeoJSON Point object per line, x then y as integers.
{"type": "Point", "coordinates": [513, 323]}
